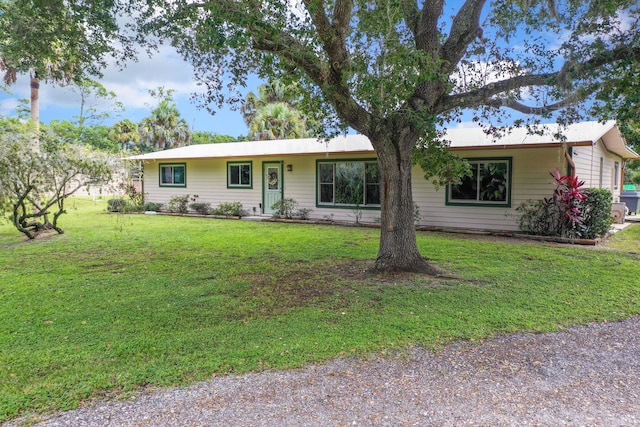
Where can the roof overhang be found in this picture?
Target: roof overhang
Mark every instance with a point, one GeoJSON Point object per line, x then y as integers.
{"type": "Point", "coordinates": [580, 134]}
{"type": "Point", "coordinates": [523, 146]}
{"type": "Point", "coordinates": [350, 144]}
{"type": "Point", "coordinates": [615, 142]}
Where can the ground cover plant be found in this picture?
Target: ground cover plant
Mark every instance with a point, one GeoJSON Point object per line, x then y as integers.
{"type": "Point", "coordinates": [120, 302]}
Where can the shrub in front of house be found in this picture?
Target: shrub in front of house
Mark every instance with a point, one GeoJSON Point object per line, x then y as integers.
{"type": "Point", "coordinates": [201, 208]}
{"type": "Point", "coordinates": [303, 213]}
{"type": "Point", "coordinates": [179, 204]}
{"type": "Point", "coordinates": [570, 212]}
{"type": "Point", "coordinates": [116, 205]}
{"type": "Point", "coordinates": [596, 214]}
{"type": "Point", "coordinates": [537, 218]}
{"type": "Point", "coordinates": [284, 208]}
{"type": "Point", "coordinates": [229, 209]}
{"type": "Point", "coordinates": [153, 207]}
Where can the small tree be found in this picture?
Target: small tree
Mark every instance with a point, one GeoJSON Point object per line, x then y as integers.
{"type": "Point", "coordinates": [37, 174]}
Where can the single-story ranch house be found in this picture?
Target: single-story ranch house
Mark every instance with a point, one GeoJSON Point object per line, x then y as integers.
{"type": "Point", "coordinates": [338, 179]}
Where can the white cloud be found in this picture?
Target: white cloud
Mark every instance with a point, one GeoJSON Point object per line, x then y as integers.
{"type": "Point", "coordinates": [8, 106]}
{"type": "Point", "coordinates": [131, 86]}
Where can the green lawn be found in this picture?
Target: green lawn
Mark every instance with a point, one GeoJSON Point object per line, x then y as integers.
{"type": "Point", "coordinates": [124, 301]}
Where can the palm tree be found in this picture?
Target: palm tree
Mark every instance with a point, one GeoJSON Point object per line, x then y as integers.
{"type": "Point", "coordinates": [164, 128]}
{"type": "Point", "coordinates": [274, 113]}
{"type": "Point", "coordinates": [273, 91]}
{"type": "Point", "coordinates": [125, 132]}
{"type": "Point", "coordinates": [278, 121]}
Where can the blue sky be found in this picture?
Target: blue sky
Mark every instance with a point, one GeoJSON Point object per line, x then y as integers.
{"type": "Point", "coordinates": [131, 85]}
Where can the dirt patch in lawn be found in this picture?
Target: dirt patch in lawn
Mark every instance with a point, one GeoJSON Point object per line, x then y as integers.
{"type": "Point", "coordinates": [308, 283]}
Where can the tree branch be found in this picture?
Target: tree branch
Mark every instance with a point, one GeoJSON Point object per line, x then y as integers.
{"type": "Point", "coordinates": [486, 93]}
{"type": "Point", "coordinates": [342, 19]}
{"type": "Point", "coordinates": [426, 37]}
{"type": "Point", "coordinates": [575, 70]}
{"type": "Point", "coordinates": [525, 109]}
{"type": "Point", "coordinates": [327, 76]}
{"type": "Point", "coordinates": [411, 15]}
{"type": "Point", "coordinates": [570, 71]}
{"type": "Point", "coordinates": [464, 29]}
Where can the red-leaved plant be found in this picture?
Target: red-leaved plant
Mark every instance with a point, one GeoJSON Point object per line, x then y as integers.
{"type": "Point", "coordinates": [567, 199]}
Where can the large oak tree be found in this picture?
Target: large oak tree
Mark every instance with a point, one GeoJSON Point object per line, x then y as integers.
{"type": "Point", "coordinates": [397, 70]}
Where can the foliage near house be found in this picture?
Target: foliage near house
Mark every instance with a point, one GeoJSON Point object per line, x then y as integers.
{"type": "Point", "coordinates": [570, 212]}
{"type": "Point", "coordinates": [229, 209]}
{"type": "Point", "coordinates": [597, 218]}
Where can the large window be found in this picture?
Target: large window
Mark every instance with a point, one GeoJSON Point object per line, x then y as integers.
{"type": "Point", "coordinates": [173, 175]}
{"type": "Point", "coordinates": [488, 185]}
{"type": "Point", "coordinates": [348, 183]}
{"type": "Point", "coordinates": [239, 174]}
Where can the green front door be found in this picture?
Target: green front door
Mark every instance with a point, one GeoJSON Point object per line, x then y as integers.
{"type": "Point", "coordinates": [272, 185]}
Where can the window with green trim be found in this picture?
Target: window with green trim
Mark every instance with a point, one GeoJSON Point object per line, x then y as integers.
{"type": "Point", "coordinates": [173, 175]}
{"type": "Point", "coordinates": [239, 174]}
{"type": "Point", "coordinates": [348, 183]}
{"type": "Point", "coordinates": [489, 184]}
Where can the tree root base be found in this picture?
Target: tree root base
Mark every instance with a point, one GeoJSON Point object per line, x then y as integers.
{"type": "Point", "coordinates": [419, 266]}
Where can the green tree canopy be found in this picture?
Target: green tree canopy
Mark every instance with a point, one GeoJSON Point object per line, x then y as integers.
{"type": "Point", "coordinates": [278, 121]}
{"type": "Point", "coordinates": [125, 133]}
{"type": "Point", "coordinates": [203, 137]}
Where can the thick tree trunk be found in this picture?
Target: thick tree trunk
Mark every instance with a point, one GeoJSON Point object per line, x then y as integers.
{"type": "Point", "coordinates": [398, 247]}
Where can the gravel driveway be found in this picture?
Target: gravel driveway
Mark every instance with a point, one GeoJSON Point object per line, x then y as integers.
{"type": "Point", "coordinates": [585, 376]}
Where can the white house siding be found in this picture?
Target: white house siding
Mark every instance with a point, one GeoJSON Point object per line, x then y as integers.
{"type": "Point", "coordinates": [530, 180]}
{"type": "Point", "coordinates": [208, 179]}
{"type": "Point", "coordinates": [587, 161]}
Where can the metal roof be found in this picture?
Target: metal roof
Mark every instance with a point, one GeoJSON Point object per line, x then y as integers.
{"type": "Point", "coordinates": [462, 138]}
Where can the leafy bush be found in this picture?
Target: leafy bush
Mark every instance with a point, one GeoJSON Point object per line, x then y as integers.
{"type": "Point", "coordinates": [570, 212]}
{"type": "Point", "coordinates": [284, 208]}
{"type": "Point", "coordinates": [538, 218]}
{"type": "Point", "coordinates": [201, 208]}
{"type": "Point", "coordinates": [597, 212]}
{"type": "Point", "coordinates": [559, 215]}
{"type": "Point", "coordinates": [155, 207]}
{"type": "Point", "coordinates": [136, 198]}
{"type": "Point", "coordinates": [303, 213]}
{"type": "Point", "coordinates": [179, 204]}
{"type": "Point", "coordinates": [116, 205]}
{"type": "Point", "coordinates": [229, 209]}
